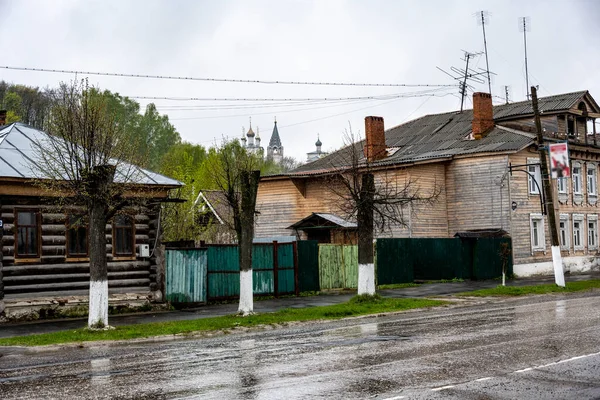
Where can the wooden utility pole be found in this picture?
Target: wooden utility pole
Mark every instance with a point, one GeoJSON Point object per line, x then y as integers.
{"type": "Point", "coordinates": [559, 275]}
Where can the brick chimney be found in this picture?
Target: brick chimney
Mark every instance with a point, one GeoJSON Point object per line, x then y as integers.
{"type": "Point", "coordinates": [2, 117]}
{"type": "Point", "coordinates": [483, 114]}
{"type": "Point", "coordinates": [375, 134]}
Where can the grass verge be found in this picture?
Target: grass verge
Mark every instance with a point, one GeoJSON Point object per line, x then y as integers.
{"type": "Point", "coordinates": [397, 286]}
{"type": "Point", "coordinates": [358, 305]}
{"type": "Point", "coordinates": [537, 289]}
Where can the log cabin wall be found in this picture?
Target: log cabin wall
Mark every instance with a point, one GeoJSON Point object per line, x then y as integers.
{"type": "Point", "coordinates": [56, 273]}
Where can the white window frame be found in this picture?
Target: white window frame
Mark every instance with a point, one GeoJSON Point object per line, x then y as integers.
{"type": "Point", "coordinates": [564, 232]}
{"type": "Point", "coordinates": [591, 175]}
{"type": "Point", "coordinates": [537, 220]}
{"type": "Point", "coordinates": [576, 178]}
{"type": "Point", "coordinates": [536, 171]}
{"type": "Point", "coordinates": [578, 218]}
{"type": "Point", "coordinates": [561, 184]}
{"type": "Point", "coordinates": [592, 236]}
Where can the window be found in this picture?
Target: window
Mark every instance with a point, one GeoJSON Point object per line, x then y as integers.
{"type": "Point", "coordinates": [123, 236]}
{"type": "Point", "coordinates": [563, 231]}
{"type": "Point", "coordinates": [538, 240]}
{"type": "Point", "coordinates": [77, 236]}
{"type": "Point", "coordinates": [591, 179]}
{"type": "Point", "coordinates": [561, 184]}
{"type": "Point", "coordinates": [577, 228]}
{"type": "Point", "coordinates": [28, 234]}
{"type": "Point", "coordinates": [576, 176]}
{"type": "Point", "coordinates": [534, 171]}
{"type": "Point", "coordinates": [592, 231]}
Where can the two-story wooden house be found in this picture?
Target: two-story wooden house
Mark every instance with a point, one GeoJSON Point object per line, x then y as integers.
{"type": "Point", "coordinates": [468, 158]}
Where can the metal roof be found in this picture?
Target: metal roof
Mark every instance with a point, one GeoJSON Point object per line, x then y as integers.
{"type": "Point", "coordinates": [315, 220]}
{"type": "Point", "coordinates": [18, 158]}
{"type": "Point", "coordinates": [446, 135]}
{"type": "Point", "coordinates": [555, 103]}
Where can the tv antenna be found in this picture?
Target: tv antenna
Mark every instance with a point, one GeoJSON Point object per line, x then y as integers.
{"type": "Point", "coordinates": [525, 26]}
{"type": "Point", "coordinates": [465, 77]}
{"type": "Point", "coordinates": [482, 18]}
{"type": "Point", "coordinates": [507, 94]}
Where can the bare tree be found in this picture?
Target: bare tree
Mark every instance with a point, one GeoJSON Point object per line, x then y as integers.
{"type": "Point", "coordinates": [236, 175]}
{"type": "Point", "coordinates": [86, 160]}
{"type": "Point", "coordinates": [375, 198]}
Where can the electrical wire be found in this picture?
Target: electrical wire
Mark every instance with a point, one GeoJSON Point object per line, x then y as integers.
{"type": "Point", "coordinates": [228, 80]}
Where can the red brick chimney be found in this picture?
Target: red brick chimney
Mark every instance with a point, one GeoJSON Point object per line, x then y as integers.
{"type": "Point", "coordinates": [2, 117]}
{"type": "Point", "coordinates": [483, 114]}
{"type": "Point", "coordinates": [375, 134]}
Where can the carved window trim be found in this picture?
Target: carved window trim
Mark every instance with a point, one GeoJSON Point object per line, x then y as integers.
{"type": "Point", "coordinates": [578, 232]}
{"type": "Point", "coordinates": [592, 234]}
{"type": "Point", "coordinates": [537, 232]}
{"type": "Point", "coordinates": [564, 232]}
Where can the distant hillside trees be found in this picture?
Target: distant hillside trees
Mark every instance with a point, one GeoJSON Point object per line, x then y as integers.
{"type": "Point", "coordinates": [153, 131]}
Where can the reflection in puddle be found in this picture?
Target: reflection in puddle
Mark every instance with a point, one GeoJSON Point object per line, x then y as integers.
{"type": "Point", "coordinates": [560, 311]}
{"type": "Point", "coordinates": [100, 369]}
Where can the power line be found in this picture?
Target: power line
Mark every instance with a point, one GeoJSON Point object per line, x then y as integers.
{"type": "Point", "coordinates": [310, 108]}
{"type": "Point", "coordinates": [378, 97]}
{"type": "Point", "coordinates": [228, 80]}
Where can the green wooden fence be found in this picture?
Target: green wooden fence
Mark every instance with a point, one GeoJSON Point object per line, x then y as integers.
{"type": "Point", "coordinates": [338, 266]}
{"type": "Point", "coordinates": [273, 266]}
{"type": "Point", "coordinates": [405, 260]}
{"type": "Point", "coordinates": [185, 278]}
{"type": "Point", "coordinates": [308, 265]}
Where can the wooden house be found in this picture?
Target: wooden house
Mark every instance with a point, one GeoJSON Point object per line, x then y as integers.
{"type": "Point", "coordinates": [45, 245]}
{"type": "Point", "coordinates": [484, 165]}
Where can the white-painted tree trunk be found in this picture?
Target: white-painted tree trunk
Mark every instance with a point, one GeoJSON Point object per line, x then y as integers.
{"type": "Point", "coordinates": [98, 313]}
{"type": "Point", "coordinates": [246, 293]}
{"type": "Point", "coordinates": [366, 279]}
{"type": "Point", "coordinates": [559, 274]}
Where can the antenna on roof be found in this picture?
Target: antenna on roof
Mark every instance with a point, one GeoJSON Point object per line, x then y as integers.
{"type": "Point", "coordinates": [465, 77]}
{"type": "Point", "coordinates": [525, 26]}
{"type": "Point", "coordinates": [482, 18]}
{"type": "Point", "coordinates": [507, 93]}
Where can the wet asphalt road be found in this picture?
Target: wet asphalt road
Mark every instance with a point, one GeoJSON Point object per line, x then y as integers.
{"type": "Point", "coordinates": [538, 348]}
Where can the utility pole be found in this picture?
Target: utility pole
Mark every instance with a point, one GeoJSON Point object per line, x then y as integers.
{"type": "Point", "coordinates": [506, 93]}
{"type": "Point", "coordinates": [559, 276]}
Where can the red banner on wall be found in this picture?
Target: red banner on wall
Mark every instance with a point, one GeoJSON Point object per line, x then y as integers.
{"type": "Point", "coordinates": [559, 161]}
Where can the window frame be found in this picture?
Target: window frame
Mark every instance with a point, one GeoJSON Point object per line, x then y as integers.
{"type": "Point", "coordinates": [38, 233]}
{"type": "Point", "coordinates": [592, 218]}
{"type": "Point", "coordinates": [537, 175]}
{"type": "Point", "coordinates": [580, 219]}
{"type": "Point", "coordinates": [116, 227]}
{"type": "Point", "coordinates": [564, 183]}
{"type": "Point", "coordinates": [68, 236]}
{"type": "Point", "coordinates": [576, 178]}
{"type": "Point", "coordinates": [541, 232]}
{"type": "Point", "coordinates": [566, 243]}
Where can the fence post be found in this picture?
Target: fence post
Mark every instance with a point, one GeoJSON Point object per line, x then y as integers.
{"type": "Point", "coordinates": [296, 286]}
{"type": "Point", "coordinates": [275, 269]}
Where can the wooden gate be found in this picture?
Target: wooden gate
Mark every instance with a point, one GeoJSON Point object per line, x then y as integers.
{"type": "Point", "coordinates": [185, 278]}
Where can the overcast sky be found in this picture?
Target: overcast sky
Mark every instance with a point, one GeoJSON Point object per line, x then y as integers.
{"type": "Point", "coordinates": [322, 40]}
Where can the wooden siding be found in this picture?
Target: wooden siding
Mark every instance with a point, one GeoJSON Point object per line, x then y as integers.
{"type": "Point", "coordinates": [54, 272]}
{"type": "Point", "coordinates": [476, 198]}
{"type": "Point", "coordinates": [280, 203]}
{"type": "Point", "coordinates": [528, 204]}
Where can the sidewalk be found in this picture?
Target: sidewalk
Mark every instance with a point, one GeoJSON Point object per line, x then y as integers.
{"type": "Point", "coordinates": [424, 290]}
